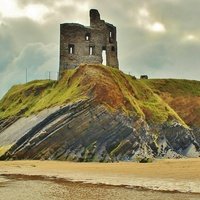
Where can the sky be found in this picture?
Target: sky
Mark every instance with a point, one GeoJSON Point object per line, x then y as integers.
{"type": "Point", "coordinates": [160, 38]}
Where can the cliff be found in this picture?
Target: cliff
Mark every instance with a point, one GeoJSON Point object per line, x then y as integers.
{"type": "Point", "coordinates": [98, 113]}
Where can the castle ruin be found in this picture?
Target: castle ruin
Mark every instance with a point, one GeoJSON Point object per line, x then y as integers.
{"type": "Point", "coordinates": [85, 45]}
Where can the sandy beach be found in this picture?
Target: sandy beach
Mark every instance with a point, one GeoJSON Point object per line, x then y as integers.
{"type": "Point", "coordinates": [162, 179]}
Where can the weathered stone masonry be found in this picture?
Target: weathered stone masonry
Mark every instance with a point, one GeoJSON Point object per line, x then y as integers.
{"type": "Point", "coordinates": [80, 44]}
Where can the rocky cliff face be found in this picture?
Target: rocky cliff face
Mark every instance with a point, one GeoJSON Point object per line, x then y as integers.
{"type": "Point", "coordinates": [101, 115]}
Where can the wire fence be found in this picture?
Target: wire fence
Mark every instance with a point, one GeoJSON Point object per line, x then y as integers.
{"type": "Point", "coordinates": [30, 75]}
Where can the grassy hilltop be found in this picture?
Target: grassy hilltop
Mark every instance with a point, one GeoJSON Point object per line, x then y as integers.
{"type": "Point", "coordinates": [156, 100]}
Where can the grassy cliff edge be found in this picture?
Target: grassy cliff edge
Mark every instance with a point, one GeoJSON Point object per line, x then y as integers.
{"type": "Point", "coordinates": [157, 101]}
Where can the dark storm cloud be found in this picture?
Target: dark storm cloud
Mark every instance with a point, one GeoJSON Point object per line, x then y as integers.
{"type": "Point", "coordinates": [158, 38]}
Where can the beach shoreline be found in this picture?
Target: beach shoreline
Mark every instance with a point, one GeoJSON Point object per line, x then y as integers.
{"type": "Point", "coordinates": [181, 175]}
{"type": "Point", "coordinates": [19, 177]}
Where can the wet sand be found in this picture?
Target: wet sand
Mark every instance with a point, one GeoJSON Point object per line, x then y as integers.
{"type": "Point", "coordinates": [39, 188]}
{"type": "Point", "coordinates": [179, 179]}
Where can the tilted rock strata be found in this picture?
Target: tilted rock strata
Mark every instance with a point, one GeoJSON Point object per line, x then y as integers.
{"type": "Point", "coordinates": [84, 131]}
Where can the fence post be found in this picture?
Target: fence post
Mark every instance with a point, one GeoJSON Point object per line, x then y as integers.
{"type": "Point", "coordinates": [26, 75]}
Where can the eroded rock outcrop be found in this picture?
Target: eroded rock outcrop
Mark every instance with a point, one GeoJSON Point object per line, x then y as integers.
{"type": "Point", "coordinates": [87, 132]}
{"type": "Point", "coordinates": [101, 127]}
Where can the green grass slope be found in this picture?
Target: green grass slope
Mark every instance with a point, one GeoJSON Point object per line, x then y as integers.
{"type": "Point", "coordinates": [182, 95]}
{"type": "Point", "coordinates": [153, 100]}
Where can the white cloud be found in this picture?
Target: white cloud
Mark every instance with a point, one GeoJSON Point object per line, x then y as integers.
{"type": "Point", "coordinates": [143, 12]}
{"type": "Point", "coordinates": [156, 27]}
{"type": "Point", "coordinates": [146, 21]}
{"type": "Point", "coordinates": [64, 3]}
{"type": "Point", "coordinates": [10, 9]}
{"type": "Point", "coordinates": [191, 37]}
{"type": "Point", "coordinates": [81, 6]}
{"type": "Point", "coordinates": [36, 12]}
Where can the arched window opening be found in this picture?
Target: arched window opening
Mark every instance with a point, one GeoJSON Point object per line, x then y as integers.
{"type": "Point", "coordinates": [87, 36]}
{"type": "Point", "coordinates": [112, 48]}
{"type": "Point", "coordinates": [71, 48]}
{"type": "Point", "coordinates": [110, 36]}
{"type": "Point", "coordinates": [91, 50]}
{"type": "Point", "coordinates": [104, 58]}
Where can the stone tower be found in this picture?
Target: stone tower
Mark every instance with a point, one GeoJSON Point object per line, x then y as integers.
{"type": "Point", "coordinates": [80, 44]}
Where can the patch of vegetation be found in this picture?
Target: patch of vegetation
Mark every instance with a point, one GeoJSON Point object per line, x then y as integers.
{"type": "Point", "coordinates": [176, 87]}
{"type": "Point", "coordinates": [26, 99]}
{"type": "Point", "coordinates": [149, 99]}
{"type": "Point", "coordinates": [21, 98]}
{"type": "Point", "coordinates": [183, 96]}
{"type": "Point", "coordinates": [144, 159]}
{"type": "Point", "coordinates": [122, 145]}
{"type": "Point", "coordinates": [3, 149]}
{"type": "Point", "coordinates": [155, 109]}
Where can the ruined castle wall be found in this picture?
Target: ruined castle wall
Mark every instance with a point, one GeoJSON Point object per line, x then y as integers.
{"type": "Point", "coordinates": [73, 36]}
{"type": "Point", "coordinates": [80, 44]}
{"type": "Point", "coordinates": [111, 46]}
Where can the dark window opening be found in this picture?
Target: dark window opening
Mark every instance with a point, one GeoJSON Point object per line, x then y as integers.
{"type": "Point", "coordinates": [111, 37]}
{"type": "Point", "coordinates": [87, 36]}
{"type": "Point", "coordinates": [103, 48]}
{"type": "Point", "coordinates": [91, 50]}
{"type": "Point", "coordinates": [71, 48]}
{"type": "Point", "coordinates": [112, 48]}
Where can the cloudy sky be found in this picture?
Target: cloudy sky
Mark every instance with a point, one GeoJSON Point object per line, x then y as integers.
{"type": "Point", "coordinates": [160, 38]}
